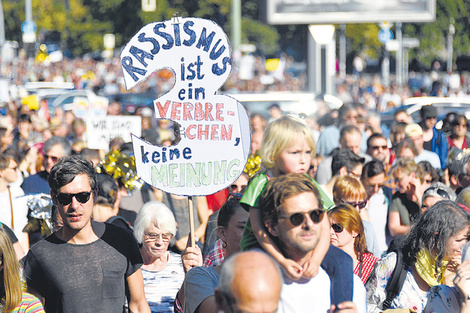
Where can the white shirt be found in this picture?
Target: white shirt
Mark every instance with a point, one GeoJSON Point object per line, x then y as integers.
{"type": "Point", "coordinates": [429, 156]}
{"type": "Point", "coordinates": [378, 211]}
{"type": "Point", "coordinates": [314, 295]}
{"type": "Point", "coordinates": [20, 210]}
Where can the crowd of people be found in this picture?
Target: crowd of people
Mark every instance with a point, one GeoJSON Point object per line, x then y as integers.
{"type": "Point", "coordinates": [104, 77]}
{"type": "Point", "coordinates": [348, 216]}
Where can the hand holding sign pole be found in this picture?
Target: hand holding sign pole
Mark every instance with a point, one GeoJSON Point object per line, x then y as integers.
{"type": "Point", "coordinates": [215, 132]}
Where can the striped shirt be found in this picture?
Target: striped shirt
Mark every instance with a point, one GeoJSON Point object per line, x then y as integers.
{"type": "Point", "coordinates": [29, 304]}
{"type": "Point", "coordinates": [161, 287]}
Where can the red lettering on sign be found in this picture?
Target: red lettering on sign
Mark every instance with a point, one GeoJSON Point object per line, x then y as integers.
{"type": "Point", "coordinates": [188, 134]}
{"type": "Point", "coordinates": [162, 110]}
{"type": "Point", "coordinates": [226, 134]}
{"type": "Point", "coordinates": [214, 132]}
{"type": "Point", "coordinates": [198, 113]}
{"type": "Point", "coordinates": [187, 108]}
{"type": "Point", "coordinates": [218, 114]}
{"type": "Point", "coordinates": [175, 111]}
{"type": "Point", "coordinates": [208, 112]}
{"type": "Point", "coordinates": [201, 132]}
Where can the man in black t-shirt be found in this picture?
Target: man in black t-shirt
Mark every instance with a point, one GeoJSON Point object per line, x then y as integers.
{"type": "Point", "coordinates": [85, 265]}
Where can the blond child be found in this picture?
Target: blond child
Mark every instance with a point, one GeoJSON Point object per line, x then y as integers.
{"type": "Point", "coordinates": [287, 147]}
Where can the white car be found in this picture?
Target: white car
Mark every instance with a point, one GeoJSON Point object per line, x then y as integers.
{"type": "Point", "coordinates": [444, 105]}
{"type": "Point", "coordinates": [82, 102]}
{"type": "Point", "coordinates": [301, 103]}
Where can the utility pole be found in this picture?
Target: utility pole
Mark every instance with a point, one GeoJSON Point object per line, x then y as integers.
{"type": "Point", "coordinates": [236, 24]}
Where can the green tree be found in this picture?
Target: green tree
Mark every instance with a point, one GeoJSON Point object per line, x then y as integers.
{"type": "Point", "coordinates": [82, 26]}
{"type": "Point", "coordinates": [364, 38]}
{"type": "Point", "coordinates": [433, 36]}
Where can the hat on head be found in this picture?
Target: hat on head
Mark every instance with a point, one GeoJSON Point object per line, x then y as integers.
{"type": "Point", "coordinates": [440, 190]}
{"type": "Point", "coordinates": [107, 190]}
{"type": "Point", "coordinates": [274, 106]}
{"type": "Point", "coordinates": [428, 111]}
{"type": "Point", "coordinates": [413, 129]}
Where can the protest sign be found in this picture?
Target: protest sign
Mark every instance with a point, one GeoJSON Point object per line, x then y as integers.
{"type": "Point", "coordinates": [214, 129]}
{"type": "Point", "coordinates": [102, 129]}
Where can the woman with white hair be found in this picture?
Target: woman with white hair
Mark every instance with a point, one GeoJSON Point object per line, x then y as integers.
{"type": "Point", "coordinates": [163, 271]}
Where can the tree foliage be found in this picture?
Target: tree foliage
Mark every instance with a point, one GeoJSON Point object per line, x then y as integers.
{"type": "Point", "coordinates": [433, 36]}
{"type": "Point", "coordinates": [364, 38]}
{"type": "Point", "coordinates": [83, 26]}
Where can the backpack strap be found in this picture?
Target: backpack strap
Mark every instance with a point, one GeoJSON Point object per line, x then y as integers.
{"type": "Point", "coordinates": [438, 141]}
{"type": "Point", "coordinates": [395, 283]}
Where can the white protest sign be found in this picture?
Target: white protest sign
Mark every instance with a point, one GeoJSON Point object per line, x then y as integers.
{"type": "Point", "coordinates": [215, 132]}
{"type": "Point", "coordinates": [102, 129]}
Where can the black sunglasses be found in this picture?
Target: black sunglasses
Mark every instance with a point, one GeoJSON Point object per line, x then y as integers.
{"type": "Point", "coordinates": [53, 158]}
{"type": "Point", "coordinates": [338, 228]}
{"type": "Point", "coordinates": [66, 198]}
{"type": "Point", "coordinates": [298, 218]}
{"type": "Point", "coordinates": [379, 147]}
{"type": "Point", "coordinates": [361, 204]}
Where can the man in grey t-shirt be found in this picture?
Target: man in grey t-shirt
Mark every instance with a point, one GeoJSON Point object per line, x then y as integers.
{"type": "Point", "coordinates": [85, 265]}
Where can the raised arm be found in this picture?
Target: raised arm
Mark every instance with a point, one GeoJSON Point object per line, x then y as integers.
{"type": "Point", "coordinates": [291, 268]}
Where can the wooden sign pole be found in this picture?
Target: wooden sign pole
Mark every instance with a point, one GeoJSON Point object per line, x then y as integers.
{"type": "Point", "coordinates": [191, 221]}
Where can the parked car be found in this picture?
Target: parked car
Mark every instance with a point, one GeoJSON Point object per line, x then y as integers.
{"type": "Point", "coordinates": [32, 93]}
{"type": "Point", "coordinates": [130, 102]}
{"type": "Point", "coordinates": [444, 105]}
{"type": "Point", "coordinates": [80, 102]}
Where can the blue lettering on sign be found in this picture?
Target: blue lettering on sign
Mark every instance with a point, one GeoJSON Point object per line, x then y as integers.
{"type": "Point", "coordinates": [140, 55]}
{"type": "Point", "coordinates": [153, 41]}
{"type": "Point", "coordinates": [176, 28]}
{"type": "Point", "coordinates": [165, 36]}
{"type": "Point", "coordinates": [165, 155]}
{"type": "Point", "coordinates": [205, 41]}
{"type": "Point", "coordinates": [190, 32]}
{"type": "Point", "coordinates": [219, 71]}
{"type": "Point", "coordinates": [190, 71]}
{"type": "Point", "coordinates": [127, 65]}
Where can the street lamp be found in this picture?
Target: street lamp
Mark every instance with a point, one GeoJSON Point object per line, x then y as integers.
{"type": "Point", "coordinates": [450, 48]}
{"type": "Point", "coordinates": [323, 35]}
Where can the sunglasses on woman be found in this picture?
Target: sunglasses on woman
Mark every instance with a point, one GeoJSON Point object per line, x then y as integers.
{"type": "Point", "coordinates": [361, 204]}
{"type": "Point", "coordinates": [66, 198]}
{"type": "Point", "coordinates": [297, 219]}
{"type": "Point", "coordinates": [338, 228]}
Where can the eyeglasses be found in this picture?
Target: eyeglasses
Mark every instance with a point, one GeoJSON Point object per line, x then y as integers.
{"type": "Point", "coordinates": [338, 228]}
{"type": "Point", "coordinates": [53, 158]}
{"type": "Point", "coordinates": [66, 198]}
{"type": "Point", "coordinates": [297, 219]}
{"type": "Point", "coordinates": [361, 204]}
{"type": "Point", "coordinates": [155, 237]}
{"type": "Point", "coordinates": [379, 147]}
